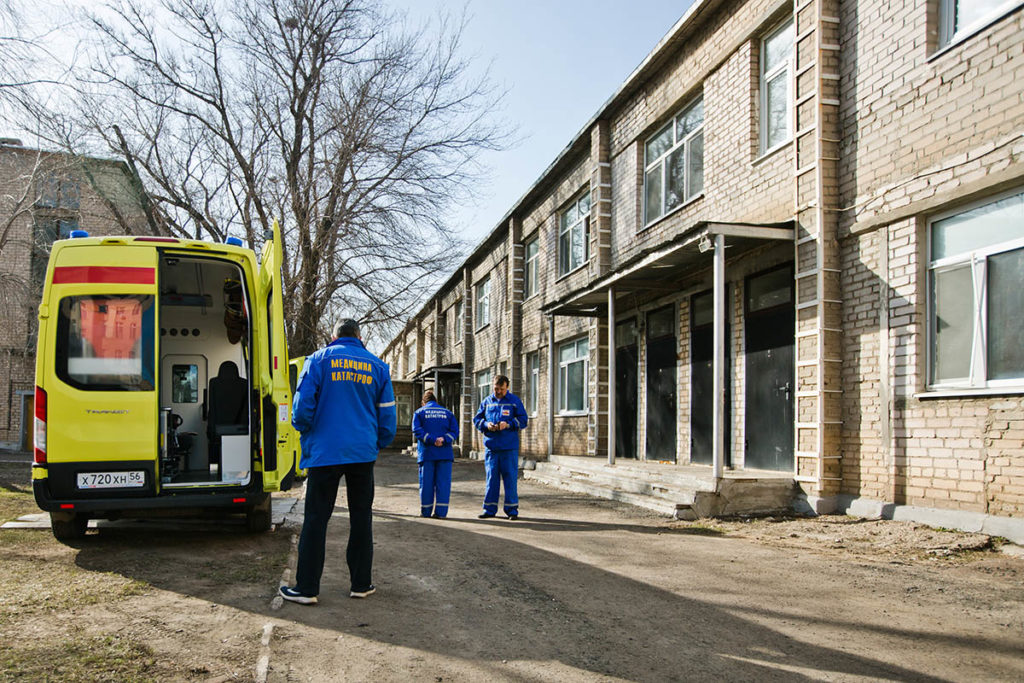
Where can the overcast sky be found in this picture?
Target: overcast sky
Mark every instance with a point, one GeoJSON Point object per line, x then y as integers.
{"type": "Point", "coordinates": [560, 60]}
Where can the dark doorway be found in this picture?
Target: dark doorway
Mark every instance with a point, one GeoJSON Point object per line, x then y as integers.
{"type": "Point", "coordinates": [770, 320]}
{"type": "Point", "coordinates": [702, 378]}
{"type": "Point", "coordinates": [627, 360]}
{"type": "Point", "coordinates": [661, 385]}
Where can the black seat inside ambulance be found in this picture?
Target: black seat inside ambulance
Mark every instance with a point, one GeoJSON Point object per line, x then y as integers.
{"type": "Point", "coordinates": [228, 403]}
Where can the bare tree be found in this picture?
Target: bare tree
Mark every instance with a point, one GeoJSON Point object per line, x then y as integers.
{"type": "Point", "coordinates": [359, 133]}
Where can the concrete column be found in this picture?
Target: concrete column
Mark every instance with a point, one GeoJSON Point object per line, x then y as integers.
{"type": "Point", "coordinates": [611, 375]}
{"type": "Point", "coordinates": [468, 435]}
{"type": "Point", "coordinates": [600, 200]}
{"type": "Point", "coordinates": [818, 468]}
{"type": "Point", "coordinates": [718, 426]}
{"type": "Point", "coordinates": [552, 380]}
{"type": "Point", "coordinates": [514, 297]}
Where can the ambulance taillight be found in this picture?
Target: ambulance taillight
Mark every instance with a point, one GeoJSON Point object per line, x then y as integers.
{"type": "Point", "coordinates": [40, 426]}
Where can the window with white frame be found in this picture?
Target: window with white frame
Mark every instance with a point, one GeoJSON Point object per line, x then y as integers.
{"type": "Point", "coordinates": [776, 74]}
{"type": "Point", "coordinates": [574, 235]}
{"type": "Point", "coordinates": [976, 296]}
{"type": "Point", "coordinates": [410, 363]}
{"type": "Point", "coordinates": [483, 385]}
{"type": "Point", "coordinates": [573, 365]}
{"type": "Point", "coordinates": [460, 321]}
{"type": "Point", "coordinates": [483, 303]}
{"type": "Point", "coordinates": [532, 263]}
{"type": "Point", "coordinates": [674, 162]}
{"type": "Point", "coordinates": [532, 368]}
{"type": "Point", "coordinates": [960, 18]}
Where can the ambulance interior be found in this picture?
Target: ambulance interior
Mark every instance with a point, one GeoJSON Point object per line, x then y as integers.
{"type": "Point", "coordinates": [205, 366]}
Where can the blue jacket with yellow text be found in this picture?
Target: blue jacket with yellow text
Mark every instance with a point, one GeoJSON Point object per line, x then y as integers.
{"type": "Point", "coordinates": [344, 405]}
{"type": "Point", "coordinates": [508, 409]}
{"type": "Point", "coordinates": [430, 422]}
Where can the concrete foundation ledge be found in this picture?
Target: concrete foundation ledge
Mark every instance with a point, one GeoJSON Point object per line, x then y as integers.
{"type": "Point", "coordinates": [1010, 528]}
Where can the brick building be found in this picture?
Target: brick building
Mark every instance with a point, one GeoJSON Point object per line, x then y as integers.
{"type": "Point", "coordinates": [791, 242]}
{"type": "Point", "coordinates": [43, 197]}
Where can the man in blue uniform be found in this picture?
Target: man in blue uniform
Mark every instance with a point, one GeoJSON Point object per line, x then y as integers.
{"type": "Point", "coordinates": [501, 417]}
{"type": "Point", "coordinates": [345, 409]}
{"type": "Point", "coordinates": [435, 429]}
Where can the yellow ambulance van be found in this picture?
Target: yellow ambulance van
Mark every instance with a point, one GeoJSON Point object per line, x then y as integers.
{"type": "Point", "coordinates": [161, 381]}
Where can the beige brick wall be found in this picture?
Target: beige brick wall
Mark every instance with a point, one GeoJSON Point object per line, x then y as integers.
{"type": "Point", "coordinates": [923, 133]}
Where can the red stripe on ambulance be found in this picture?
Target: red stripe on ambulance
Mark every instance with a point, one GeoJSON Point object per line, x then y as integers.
{"type": "Point", "coordinates": [63, 275]}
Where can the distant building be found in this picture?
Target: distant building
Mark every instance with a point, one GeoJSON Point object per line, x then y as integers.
{"type": "Point", "coordinates": [43, 197]}
{"type": "Point", "coordinates": [797, 233]}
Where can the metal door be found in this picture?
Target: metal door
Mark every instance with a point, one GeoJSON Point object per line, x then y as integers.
{"type": "Point", "coordinates": [770, 320]}
{"type": "Point", "coordinates": [626, 369]}
{"type": "Point", "coordinates": [702, 377]}
{"type": "Point", "coordinates": [661, 385]}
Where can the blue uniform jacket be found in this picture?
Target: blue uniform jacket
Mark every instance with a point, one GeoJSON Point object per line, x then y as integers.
{"type": "Point", "coordinates": [508, 409]}
{"type": "Point", "coordinates": [344, 405]}
{"type": "Point", "coordinates": [428, 423]}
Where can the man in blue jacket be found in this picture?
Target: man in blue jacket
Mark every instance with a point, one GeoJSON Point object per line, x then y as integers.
{"type": "Point", "coordinates": [435, 429]}
{"type": "Point", "coordinates": [501, 417]}
{"type": "Point", "coordinates": [345, 409]}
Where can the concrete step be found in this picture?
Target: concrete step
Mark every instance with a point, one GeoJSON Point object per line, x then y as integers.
{"type": "Point", "coordinates": [663, 504]}
{"type": "Point", "coordinates": [682, 492]}
{"type": "Point", "coordinates": [610, 477]}
{"type": "Point", "coordinates": [669, 476]}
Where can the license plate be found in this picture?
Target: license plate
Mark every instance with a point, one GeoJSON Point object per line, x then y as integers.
{"type": "Point", "coordinates": [112, 480]}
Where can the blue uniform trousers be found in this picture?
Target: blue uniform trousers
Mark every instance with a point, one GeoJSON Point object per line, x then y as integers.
{"type": "Point", "coordinates": [503, 467]}
{"type": "Point", "coordinates": [321, 493]}
{"type": "Point", "coordinates": [435, 487]}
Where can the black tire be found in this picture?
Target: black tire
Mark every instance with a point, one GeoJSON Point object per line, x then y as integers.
{"type": "Point", "coordinates": [259, 519]}
{"type": "Point", "coordinates": [70, 528]}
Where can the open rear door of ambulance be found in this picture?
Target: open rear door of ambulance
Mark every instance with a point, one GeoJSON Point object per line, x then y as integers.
{"type": "Point", "coordinates": [275, 404]}
{"type": "Point", "coordinates": [97, 348]}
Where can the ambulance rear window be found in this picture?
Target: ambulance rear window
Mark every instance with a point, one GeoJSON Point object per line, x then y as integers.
{"type": "Point", "coordinates": [105, 343]}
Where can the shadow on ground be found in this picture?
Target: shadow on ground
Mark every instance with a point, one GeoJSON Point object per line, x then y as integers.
{"type": "Point", "coordinates": [480, 593]}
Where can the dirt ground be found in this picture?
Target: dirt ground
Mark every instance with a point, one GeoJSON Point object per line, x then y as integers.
{"type": "Point", "coordinates": [576, 589]}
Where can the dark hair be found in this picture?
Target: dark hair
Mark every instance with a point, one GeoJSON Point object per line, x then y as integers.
{"type": "Point", "coordinates": [346, 327]}
{"type": "Point", "coordinates": [428, 395]}
{"type": "Point", "coordinates": [501, 379]}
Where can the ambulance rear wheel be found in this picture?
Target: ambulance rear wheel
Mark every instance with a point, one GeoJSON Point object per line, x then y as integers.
{"type": "Point", "coordinates": [258, 519]}
{"type": "Point", "coordinates": [68, 527]}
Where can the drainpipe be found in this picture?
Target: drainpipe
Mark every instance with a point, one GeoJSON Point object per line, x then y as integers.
{"type": "Point", "coordinates": [551, 385]}
{"type": "Point", "coordinates": [718, 425]}
{"type": "Point", "coordinates": [611, 376]}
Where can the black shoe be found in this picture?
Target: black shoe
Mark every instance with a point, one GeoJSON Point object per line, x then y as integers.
{"type": "Point", "coordinates": [513, 517]}
{"type": "Point", "coordinates": [436, 516]}
{"type": "Point", "coordinates": [485, 515]}
{"type": "Point", "coordinates": [363, 594]}
{"type": "Point", "coordinates": [292, 595]}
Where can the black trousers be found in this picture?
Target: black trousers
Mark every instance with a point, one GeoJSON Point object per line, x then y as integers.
{"type": "Point", "coordinates": [321, 493]}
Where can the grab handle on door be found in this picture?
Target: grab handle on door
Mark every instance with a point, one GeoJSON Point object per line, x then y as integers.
{"type": "Point", "coordinates": [787, 388]}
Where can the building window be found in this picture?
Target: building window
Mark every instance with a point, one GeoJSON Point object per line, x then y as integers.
{"type": "Point", "coordinates": [58, 193]}
{"type": "Point", "coordinates": [410, 359]}
{"type": "Point", "coordinates": [532, 252]}
{"type": "Point", "coordinates": [532, 368]}
{"type": "Point", "coordinates": [976, 296]}
{"type": "Point", "coordinates": [573, 364]}
{"type": "Point", "coordinates": [674, 162]}
{"type": "Point", "coordinates": [483, 385]}
{"type": "Point", "coordinates": [960, 18]}
{"type": "Point", "coordinates": [483, 303]}
{"type": "Point", "coordinates": [776, 68]}
{"type": "Point", "coordinates": [460, 321]}
{"type": "Point", "coordinates": [574, 235]}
